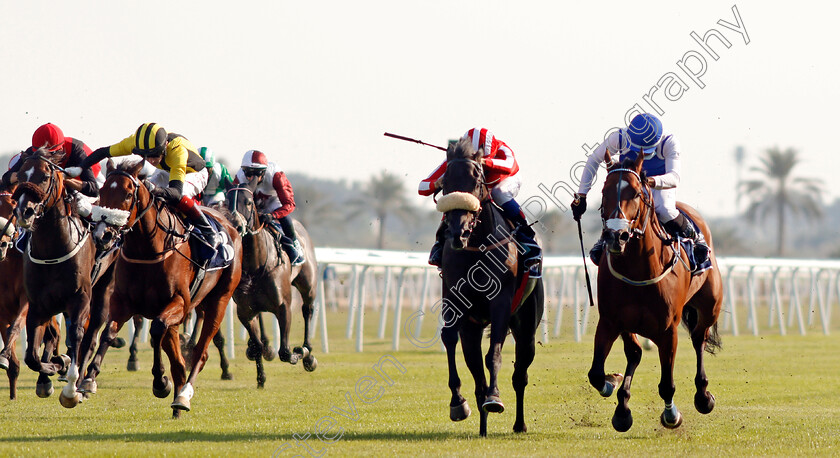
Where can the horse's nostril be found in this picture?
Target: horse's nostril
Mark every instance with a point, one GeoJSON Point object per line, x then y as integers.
{"type": "Point", "coordinates": [624, 237]}
{"type": "Point", "coordinates": [29, 213]}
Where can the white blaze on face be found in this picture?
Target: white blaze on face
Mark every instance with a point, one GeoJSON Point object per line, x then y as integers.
{"type": "Point", "coordinates": [618, 224]}
{"type": "Point", "coordinates": [28, 174]}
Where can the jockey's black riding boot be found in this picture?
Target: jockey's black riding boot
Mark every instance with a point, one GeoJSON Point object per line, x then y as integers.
{"type": "Point", "coordinates": [436, 256]}
{"type": "Point", "coordinates": [682, 227]}
{"type": "Point", "coordinates": [189, 207]}
{"type": "Point", "coordinates": [291, 244]}
{"type": "Point", "coordinates": [526, 237]}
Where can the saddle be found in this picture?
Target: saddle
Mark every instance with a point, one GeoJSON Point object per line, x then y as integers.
{"type": "Point", "coordinates": [698, 251]}
{"type": "Point", "coordinates": [206, 254]}
{"type": "Point", "coordinates": [281, 241]}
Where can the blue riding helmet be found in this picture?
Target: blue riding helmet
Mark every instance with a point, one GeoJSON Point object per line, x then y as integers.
{"type": "Point", "coordinates": [643, 133]}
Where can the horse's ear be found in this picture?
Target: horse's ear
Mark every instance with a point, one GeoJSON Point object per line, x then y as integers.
{"type": "Point", "coordinates": [109, 167]}
{"type": "Point", "coordinates": [135, 168]}
{"type": "Point", "coordinates": [640, 160]}
{"type": "Point", "coordinates": [608, 158]}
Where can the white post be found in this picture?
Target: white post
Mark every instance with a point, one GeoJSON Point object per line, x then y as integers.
{"type": "Point", "coordinates": [383, 312]}
{"type": "Point", "coordinates": [558, 319]}
{"type": "Point", "coordinates": [321, 310]}
{"type": "Point", "coordinates": [351, 311]}
{"type": "Point", "coordinates": [360, 312]}
{"type": "Point", "coordinates": [578, 324]}
{"type": "Point", "coordinates": [731, 296]}
{"type": "Point", "coordinates": [398, 310]}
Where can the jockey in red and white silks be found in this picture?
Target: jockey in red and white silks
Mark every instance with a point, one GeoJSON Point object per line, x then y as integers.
{"type": "Point", "coordinates": [500, 174]}
{"type": "Point", "coordinates": [274, 199]}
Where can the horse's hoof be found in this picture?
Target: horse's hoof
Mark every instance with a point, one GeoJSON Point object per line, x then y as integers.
{"type": "Point", "coordinates": [164, 392]}
{"type": "Point", "coordinates": [181, 403]}
{"type": "Point", "coordinates": [310, 363]}
{"type": "Point", "coordinates": [703, 404]}
{"type": "Point", "coordinates": [460, 412]}
{"type": "Point", "coordinates": [65, 366]}
{"type": "Point", "coordinates": [268, 353]}
{"type": "Point", "coordinates": [302, 351]}
{"type": "Point", "coordinates": [621, 423]}
{"type": "Point", "coordinates": [119, 342]}
{"type": "Point", "coordinates": [260, 385]}
{"type": "Point", "coordinates": [62, 378]}
{"type": "Point", "coordinates": [517, 428]}
{"type": "Point", "coordinates": [132, 366]}
{"type": "Point", "coordinates": [668, 424]}
{"type": "Point", "coordinates": [88, 386]}
{"type": "Point", "coordinates": [227, 375]}
{"type": "Point", "coordinates": [252, 352]}
{"type": "Point", "coordinates": [44, 390]}
{"type": "Point", "coordinates": [4, 363]}
{"type": "Point", "coordinates": [70, 401]}
{"type": "Point", "coordinates": [493, 404]}
{"type": "Point", "coordinates": [611, 382]}
{"type": "Point", "coordinates": [294, 358]}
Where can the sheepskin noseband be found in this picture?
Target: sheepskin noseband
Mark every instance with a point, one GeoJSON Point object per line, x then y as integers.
{"type": "Point", "coordinates": [458, 201]}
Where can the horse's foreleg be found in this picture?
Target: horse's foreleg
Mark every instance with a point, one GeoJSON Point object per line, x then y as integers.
{"type": "Point", "coordinates": [309, 361]}
{"type": "Point", "coordinates": [13, 333]}
{"type": "Point", "coordinates": [214, 313]}
{"type": "Point", "coordinates": [667, 343]}
{"type": "Point", "coordinates": [70, 396]}
{"type": "Point", "coordinates": [622, 419]}
{"type": "Point", "coordinates": [254, 351]}
{"type": "Point", "coordinates": [493, 361]}
{"type": "Point", "coordinates": [459, 409]}
{"type": "Point", "coordinates": [605, 336]}
{"type": "Point", "coordinates": [98, 316]}
{"type": "Point", "coordinates": [161, 385]}
{"type": "Point", "coordinates": [12, 364]}
{"type": "Point", "coordinates": [284, 319]}
{"type": "Point", "coordinates": [171, 345]}
{"type": "Point", "coordinates": [525, 337]}
{"type": "Point", "coordinates": [471, 334]}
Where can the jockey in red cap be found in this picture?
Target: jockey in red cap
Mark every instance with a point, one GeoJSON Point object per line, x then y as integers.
{"type": "Point", "coordinates": [274, 199]}
{"type": "Point", "coordinates": [500, 169]}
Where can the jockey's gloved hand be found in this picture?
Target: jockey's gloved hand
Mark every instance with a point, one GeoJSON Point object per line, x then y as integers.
{"type": "Point", "coordinates": [578, 206]}
{"type": "Point", "coordinates": [266, 218]}
{"type": "Point", "coordinates": [170, 195]}
{"type": "Point", "coordinates": [73, 172]}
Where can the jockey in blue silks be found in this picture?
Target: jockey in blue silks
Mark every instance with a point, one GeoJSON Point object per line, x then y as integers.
{"type": "Point", "coordinates": [644, 135]}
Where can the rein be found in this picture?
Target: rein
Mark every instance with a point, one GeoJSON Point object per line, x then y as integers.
{"type": "Point", "coordinates": [637, 232]}
{"type": "Point", "coordinates": [480, 184]}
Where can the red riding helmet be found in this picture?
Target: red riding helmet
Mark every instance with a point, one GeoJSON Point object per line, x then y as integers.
{"type": "Point", "coordinates": [48, 136]}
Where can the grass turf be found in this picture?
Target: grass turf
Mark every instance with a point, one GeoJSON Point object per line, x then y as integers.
{"type": "Point", "coordinates": [775, 396]}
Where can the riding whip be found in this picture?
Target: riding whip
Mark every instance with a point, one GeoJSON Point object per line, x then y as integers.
{"type": "Point", "coordinates": [400, 137]}
{"type": "Point", "coordinates": [586, 269]}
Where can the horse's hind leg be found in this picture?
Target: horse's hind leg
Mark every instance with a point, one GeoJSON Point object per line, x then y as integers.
{"type": "Point", "coordinates": [171, 345]}
{"type": "Point", "coordinates": [306, 288]}
{"type": "Point", "coordinates": [268, 350]}
{"type": "Point", "coordinates": [219, 342]}
{"type": "Point", "coordinates": [525, 350]}
{"type": "Point", "coordinates": [254, 351]}
{"type": "Point", "coordinates": [12, 363]}
{"type": "Point", "coordinates": [133, 364]}
{"type": "Point", "coordinates": [704, 401]}
{"type": "Point", "coordinates": [459, 409]}
{"type": "Point", "coordinates": [161, 385]}
{"type": "Point", "coordinates": [667, 343]}
{"type": "Point", "coordinates": [622, 419]}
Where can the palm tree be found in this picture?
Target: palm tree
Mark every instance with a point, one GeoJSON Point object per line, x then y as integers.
{"type": "Point", "coordinates": [777, 192]}
{"type": "Point", "coordinates": [384, 195]}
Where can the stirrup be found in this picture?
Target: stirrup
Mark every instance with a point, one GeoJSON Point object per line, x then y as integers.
{"type": "Point", "coordinates": [597, 252]}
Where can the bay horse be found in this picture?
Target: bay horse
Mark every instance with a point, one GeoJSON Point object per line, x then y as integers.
{"type": "Point", "coordinates": [57, 273]}
{"type": "Point", "coordinates": [483, 284]}
{"type": "Point", "coordinates": [154, 273]}
{"type": "Point", "coordinates": [645, 287]}
{"type": "Point", "coordinates": [267, 278]}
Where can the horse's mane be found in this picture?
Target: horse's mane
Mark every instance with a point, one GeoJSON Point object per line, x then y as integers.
{"type": "Point", "coordinates": [462, 149]}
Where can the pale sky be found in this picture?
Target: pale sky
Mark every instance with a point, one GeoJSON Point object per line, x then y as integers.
{"type": "Point", "coordinates": [315, 84]}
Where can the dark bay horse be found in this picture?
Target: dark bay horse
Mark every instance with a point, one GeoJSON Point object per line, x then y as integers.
{"type": "Point", "coordinates": [267, 278]}
{"type": "Point", "coordinates": [153, 276]}
{"type": "Point", "coordinates": [646, 288]}
{"type": "Point", "coordinates": [57, 272]}
{"type": "Point", "coordinates": [483, 284]}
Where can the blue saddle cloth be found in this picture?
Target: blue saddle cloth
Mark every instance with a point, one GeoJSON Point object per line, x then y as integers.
{"type": "Point", "coordinates": [698, 253]}
{"type": "Point", "coordinates": [213, 258]}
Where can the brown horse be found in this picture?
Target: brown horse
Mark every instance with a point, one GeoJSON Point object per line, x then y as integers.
{"type": "Point", "coordinates": [154, 274]}
{"type": "Point", "coordinates": [57, 272]}
{"type": "Point", "coordinates": [483, 284]}
{"type": "Point", "coordinates": [267, 277]}
{"type": "Point", "coordinates": [645, 287]}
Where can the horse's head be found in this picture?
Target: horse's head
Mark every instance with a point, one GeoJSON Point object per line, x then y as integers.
{"type": "Point", "coordinates": [464, 190]}
{"type": "Point", "coordinates": [626, 204]}
{"type": "Point", "coordinates": [122, 200]}
{"type": "Point", "coordinates": [242, 209]}
{"type": "Point", "coordinates": [7, 218]}
{"type": "Point", "coordinates": [40, 186]}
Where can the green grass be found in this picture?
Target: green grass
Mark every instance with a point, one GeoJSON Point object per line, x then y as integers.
{"type": "Point", "coordinates": [775, 396]}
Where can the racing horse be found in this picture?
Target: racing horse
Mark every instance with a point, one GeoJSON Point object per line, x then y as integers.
{"type": "Point", "coordinates": [267, 277]}
{"type": "Point", "coordinates": [57, 273]}
{"type": "Point", "coordinates": [645, 287]}
{"type": "Point", "coordinates": [153, 278]}
{"type": "Point", "coordinates": [484, 284]}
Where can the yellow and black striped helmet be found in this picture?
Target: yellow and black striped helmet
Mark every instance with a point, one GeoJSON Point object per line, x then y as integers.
{"type": "Point", "coordinates": [150, 140]}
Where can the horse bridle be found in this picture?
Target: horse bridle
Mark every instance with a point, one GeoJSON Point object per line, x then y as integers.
{"type": "Point", "coordinates": [135, 201]}
{"type": "Point", "coordinates": [9, 223]}
{"type": "Point", "coordinates": [617, 220]}
{"type": "Point", "coordinates": [251, 217]}
{"type": "Point", "coordinates": [481, 183]}
{"type": "Point", "coordinates": [51, 188]}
